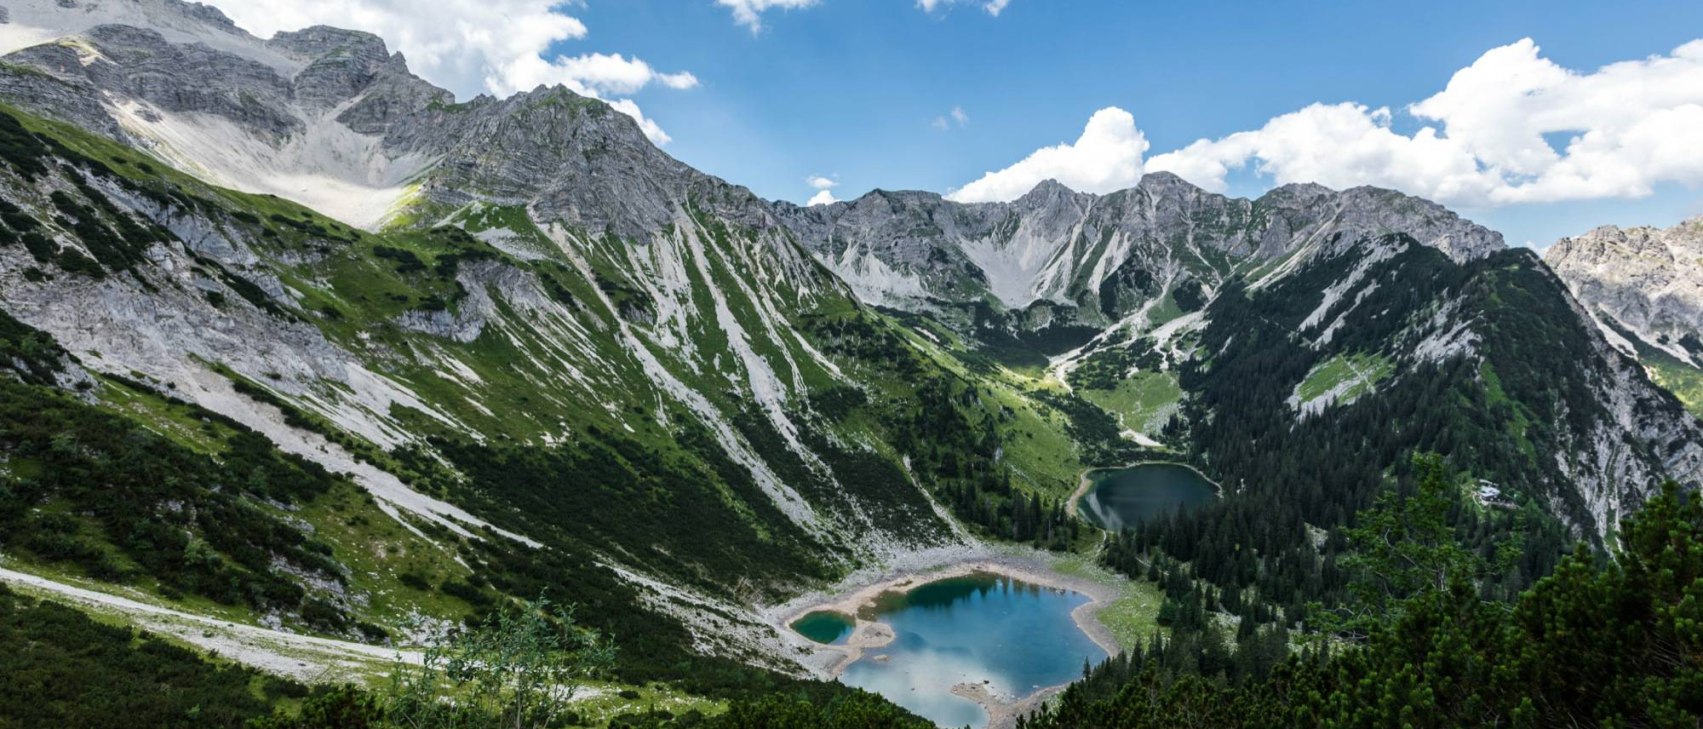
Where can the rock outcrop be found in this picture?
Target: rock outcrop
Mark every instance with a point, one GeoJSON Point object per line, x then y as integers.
{"type": "Point", "coordinates": [1106, 256]}
{"type": "Point", "coordinates": [1648, 281]}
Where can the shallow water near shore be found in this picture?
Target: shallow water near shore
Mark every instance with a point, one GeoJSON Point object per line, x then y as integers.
{"type": "Point", "coordinates": [1123, 497]}
{"type": "Point", "coordinates": [825, 627]}
{"type": "Point", "coordinates": [1012, 637]}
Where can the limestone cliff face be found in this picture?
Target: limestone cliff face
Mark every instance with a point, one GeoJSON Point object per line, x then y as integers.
{"type": "Point", "coordinates": [1103, 257]}
{"type": "Point", "coordinates": [1649, 281]}
{"type": "Point", "coordinates": [330, 118]}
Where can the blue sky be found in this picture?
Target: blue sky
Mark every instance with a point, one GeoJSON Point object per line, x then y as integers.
{"type": "Point", "coordinates": [862, 92]}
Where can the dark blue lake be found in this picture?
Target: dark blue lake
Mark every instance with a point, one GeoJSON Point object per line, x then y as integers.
{"type": "Point", "coordinates": [1016, 637]}
{"type": "Point", "coordinates": [1124, 497]}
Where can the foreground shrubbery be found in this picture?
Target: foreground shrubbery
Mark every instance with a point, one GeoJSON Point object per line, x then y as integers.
{"type": "Point", "coordinates": [61, 669]}
{"type": "Point", "coordinates": [522, 668]}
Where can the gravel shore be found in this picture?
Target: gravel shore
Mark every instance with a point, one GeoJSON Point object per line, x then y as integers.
{"type": "Point", "coordinates": [857, 593]}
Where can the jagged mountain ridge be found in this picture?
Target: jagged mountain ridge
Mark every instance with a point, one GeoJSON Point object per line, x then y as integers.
{"type": "Point", "coordinates": [1640, 287]}
{"type": "Point", "coordinates": [1096, 259]}
{"type": "Point", "coordinates": [1135, 273]}
{"type": "Point", "coordinates": [338, 123]}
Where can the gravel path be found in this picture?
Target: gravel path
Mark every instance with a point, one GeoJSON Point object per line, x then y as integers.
{"type": "Point", "coordinates": [302, 657]}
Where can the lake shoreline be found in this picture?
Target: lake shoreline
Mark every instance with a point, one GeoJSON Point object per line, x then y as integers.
{"type": "Point", "coordinates": [1003, 713]}
{"type": "Point", "coordinates": [1085, 482]}
{"type": "Point", "coordinates": [869, 636]}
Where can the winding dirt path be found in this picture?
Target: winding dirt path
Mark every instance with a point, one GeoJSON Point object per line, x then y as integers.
{"type": "Point", "coordinates": [303, 657]}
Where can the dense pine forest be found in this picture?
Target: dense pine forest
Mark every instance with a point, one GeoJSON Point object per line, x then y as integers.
{"type": "Point", "coordinates": [1611, 642]}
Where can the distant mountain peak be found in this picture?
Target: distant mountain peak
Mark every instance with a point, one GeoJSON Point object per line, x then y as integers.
{"type": "Point", "coordinates": [1048, 188]}
{"type": "Point", "coordinates": [320, 41]}
{"type": "Point", "coordinates": [1166, 181]}
{"type": "Point", "coordinates": [1644, 281]}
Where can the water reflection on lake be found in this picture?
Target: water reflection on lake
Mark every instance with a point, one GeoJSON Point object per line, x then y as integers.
{"type": "Point", "coordinates": [1015, 637]}
{"type": "Point", "coordinates": [1123, 497]}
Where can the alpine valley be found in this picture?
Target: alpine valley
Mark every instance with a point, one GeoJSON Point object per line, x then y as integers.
{"type": "Point", "coordinates": [308, 363]}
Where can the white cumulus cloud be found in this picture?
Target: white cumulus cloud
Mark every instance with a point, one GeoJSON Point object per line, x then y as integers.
{"type": "Point", "coordinates": [1107, 157]}
{"type": "Point", "coordinates": [605, 73]}
{"type": "Point", "coordinates": [476, 46]}
{"type": "Point", "coordinates": [1337, 145]}
{"type": "Point", "coordinates": [824, 187]}
{"type": "Point", "coordinates": [749, 13]}
{"type": "Point", "coordinates": [1514, 127]}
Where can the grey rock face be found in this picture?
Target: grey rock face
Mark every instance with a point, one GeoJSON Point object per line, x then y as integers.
{"type": "Point", "coordinates": [1648, 280]}
{"type": "Point", "coordinates": [573, 158]}
{"type": "Point", "coordinates": [340, 64]}
{"type": "Point", "coordinates": [1105, 255]}
{"type": "Point", "coordinates": [566, 157]}
{"type": "Point", "coordinates": [141, 64]}
{"type": "Point", "coordinates": [577, 161]}
{"type": "Point", "coordinates": [1370, 211]}
{"type": "Point", "coordinates": [73, 99]}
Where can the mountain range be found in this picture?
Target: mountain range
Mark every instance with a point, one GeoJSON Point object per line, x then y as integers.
{"type": "Point", "coordinates": [432, 353]}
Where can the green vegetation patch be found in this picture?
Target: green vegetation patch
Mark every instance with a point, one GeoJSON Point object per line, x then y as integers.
{"type": "Point", "coordinates": [63, 669]}
{"type": "Point", "coordinates": [1347, 375]}
{"type": "Point", "coordinates": [1679, 378]}
{"type": "Point", "coordinates": [1144, 401]}
{"type": "Point", "coordinates": [93, 490]}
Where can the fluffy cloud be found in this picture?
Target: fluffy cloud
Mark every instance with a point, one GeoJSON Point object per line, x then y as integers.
{"type": "Point", "coordinates": [476, 46]}
{"type": "Point", "coordinates": [824, 187]}
{"type": "Point", "coordinates": [604, 73]}
{"type": "Point", "coordinates": [1512, 128]}
{"type": "Point", "coordinates": [993, 7]}
{"type": "Point", "coordinates": [1339, 145]}
{"type": "Point", "coordinates": [1107, 157]}
{"type": "Point", "coordinates": [749, 13]}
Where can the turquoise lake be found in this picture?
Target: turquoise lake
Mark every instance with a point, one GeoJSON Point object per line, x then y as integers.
{"type": "Point", "coordinates": [1124, 497]}
{"type": "Point", "coordinates": [1015, 636]}
{"type": "Point", "coordinates": [825, 627]}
